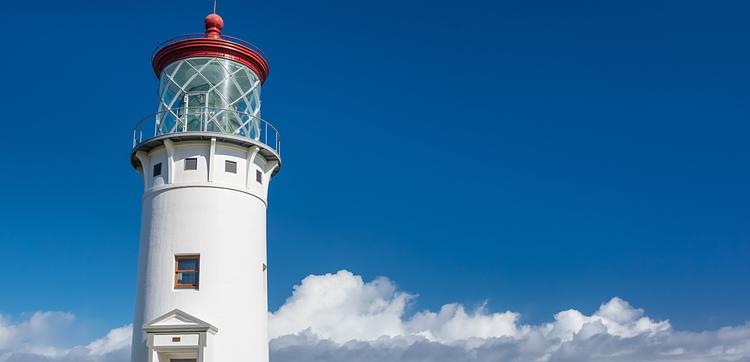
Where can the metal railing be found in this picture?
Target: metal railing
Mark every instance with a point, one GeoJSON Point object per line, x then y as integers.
{"type": "Point", "coordinates": [233, 39]}
{"type": "Point", "coordinates": [207, 120]}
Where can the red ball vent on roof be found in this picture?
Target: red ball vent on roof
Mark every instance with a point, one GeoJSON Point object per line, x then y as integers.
{"type": "Point", "coordinates": [214, 24]}
{"type": "Point", "coordinates": [210, 44]}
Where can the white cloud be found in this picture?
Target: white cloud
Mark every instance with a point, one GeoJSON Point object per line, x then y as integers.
{"type": "Point", "coordinates": [115, 340]}
{"type": "Point", "coordinates": [341, 307]}
{"type": "Point", "coordinates": [340, 317]}
{"type": "Point", "coordinates": [43, 337]}
{"type": "Point", "coordinates": [38, 328]}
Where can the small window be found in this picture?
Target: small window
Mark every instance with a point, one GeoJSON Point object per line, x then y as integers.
{"type": "Point", "coordinates": [191, 164]}
{"type": "Point", "coordinates": [157, 169]}
{"type": "Point", "coordinates": [258, 176]}
{"type": "Point", "coordinates": [187, 270]}
{"type": "Point", "coordinates": [230, 166]}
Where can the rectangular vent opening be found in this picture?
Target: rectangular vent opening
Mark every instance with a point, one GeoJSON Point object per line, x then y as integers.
{"type": "Point", "coordinates": [191, 163]}
{"type": "Point", "coordinates": [230, 166]}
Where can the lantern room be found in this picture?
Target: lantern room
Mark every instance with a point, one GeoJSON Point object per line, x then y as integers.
{"type": "Point", "coordinates": [209, 83]}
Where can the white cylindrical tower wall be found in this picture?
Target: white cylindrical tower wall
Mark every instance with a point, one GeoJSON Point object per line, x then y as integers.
{"type": "Point", "coordinates": [220, 216]}
{"type": "Point", "coordinates": [207, 159]}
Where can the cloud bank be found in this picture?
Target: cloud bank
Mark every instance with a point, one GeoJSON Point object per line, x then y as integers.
{"type": "Point", "coordinates": [340, 317]}
{"type": "Point", "coordinates": [40, 338]}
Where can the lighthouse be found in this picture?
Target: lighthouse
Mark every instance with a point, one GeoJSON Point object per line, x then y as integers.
{"type": "Point", "coordinates": [207, 158]}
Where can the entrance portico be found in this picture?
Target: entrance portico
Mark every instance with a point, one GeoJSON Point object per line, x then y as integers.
{"type": "Point", "coordinates": [179, 337]}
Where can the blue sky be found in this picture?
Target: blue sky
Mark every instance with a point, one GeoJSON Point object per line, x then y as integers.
{"type": "Point", "coordinates": [537, 155]}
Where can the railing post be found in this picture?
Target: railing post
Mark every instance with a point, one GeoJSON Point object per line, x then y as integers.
{"type": "Point", "coordinates": [205, 117]}
{"type": "Point", "coordinates": [250, 126]}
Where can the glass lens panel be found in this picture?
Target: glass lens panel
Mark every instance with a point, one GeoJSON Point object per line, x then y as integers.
{"type": "Point", "coordinates": [226, 85]}
{"type": "Point", "coordinates": [197, 63]}
{"type": "Point", "coordinates": [181, 76]}
{"type": "Point", "coordinates": [214, 72]}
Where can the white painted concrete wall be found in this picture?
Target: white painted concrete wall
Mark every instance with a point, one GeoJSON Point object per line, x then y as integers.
{"type": "Point", "coordinates": [225, 222]}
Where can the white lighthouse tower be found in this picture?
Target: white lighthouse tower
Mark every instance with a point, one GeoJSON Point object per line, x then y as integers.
{"type": "Point", "coordinates": [206, 158]}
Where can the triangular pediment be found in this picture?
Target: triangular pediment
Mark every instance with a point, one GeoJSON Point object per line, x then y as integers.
{"type": "Point", "coordinates": [178, 321]}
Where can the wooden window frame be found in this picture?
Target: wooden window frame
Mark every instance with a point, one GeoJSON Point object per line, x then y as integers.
{"type": "Point", "coordinates": [197, 271]}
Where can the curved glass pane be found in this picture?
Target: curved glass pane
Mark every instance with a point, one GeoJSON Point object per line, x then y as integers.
{"type": "Point", "coordinates": [209, 94]}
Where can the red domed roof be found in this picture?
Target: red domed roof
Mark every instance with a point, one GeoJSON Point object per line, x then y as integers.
{"type": "Point", "coordinates": [210, 44]}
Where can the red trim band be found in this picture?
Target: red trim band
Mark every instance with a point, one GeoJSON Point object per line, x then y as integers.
{"type": "Point", "coordinates": [206, 47]}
